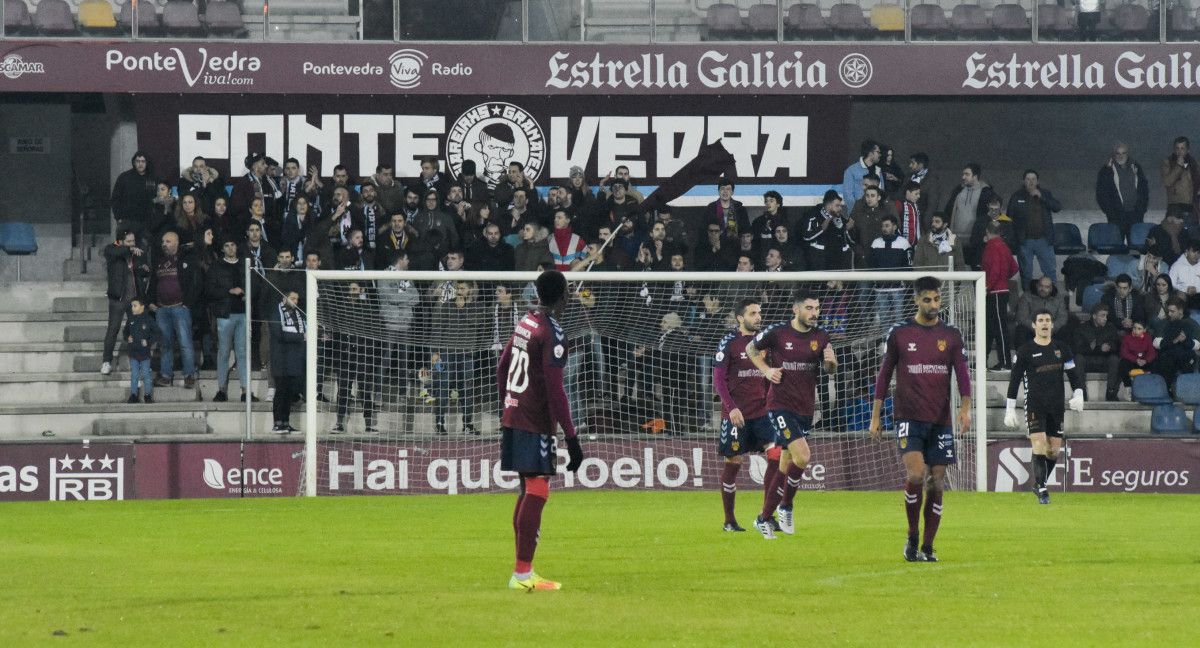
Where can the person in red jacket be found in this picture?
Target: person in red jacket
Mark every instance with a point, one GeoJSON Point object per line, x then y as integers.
{"type": "Point", "coordinates": [998, 267]}
{"type": "Point", "coordinates": [1137, 353]}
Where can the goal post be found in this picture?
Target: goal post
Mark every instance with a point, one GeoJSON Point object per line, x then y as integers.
{"type": "Point", "coordinates": [401, 397]}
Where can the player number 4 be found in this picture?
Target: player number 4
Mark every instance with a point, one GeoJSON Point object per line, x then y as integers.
{"type": "Point", "coordinates": [518, 372]}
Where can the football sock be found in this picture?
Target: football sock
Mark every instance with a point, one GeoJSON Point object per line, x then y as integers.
{"type": "Point", "coordinates": [769, 475]}
{"type": "Point", "coordinates": [517, 510]}
{"type": "Point", "coordinates": [933, 517]}
{"type": "Point", "coordinates": [774, 494]}
{"type": "Point", "coordinates": [1039, 471]}
{"type": "Point", "coordinates": [529, 521]}
{"type": "Point", "coordinates": [794, 474]}
{"type": "Point", "coordinates": [912, 506]}
{"type": "Point", "coordinates": [1050, 463]}
{"type": "Point", "coordinates": [729, 489]}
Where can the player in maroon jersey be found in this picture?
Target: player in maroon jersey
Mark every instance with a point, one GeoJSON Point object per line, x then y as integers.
{"type": "Point", "coordinates": [923, 351]}
{"type": "Point", "coordinates": [530, 378]}
{"type": "Point", "coordinates": [744, 424]}
{"type": "Point", "coordinates": [799, 350]}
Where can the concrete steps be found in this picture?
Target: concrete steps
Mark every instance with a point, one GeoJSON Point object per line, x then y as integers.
{"type": "Point", "coordinates": [94, 388]}
{"type": "Point", "coordinates": [39, 296]}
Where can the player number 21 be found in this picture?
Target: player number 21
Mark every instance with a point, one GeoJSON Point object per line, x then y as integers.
{"type": "Point", "coordinates": [518, 372]}
{"type": "Point", "coordinates": [902, 430]}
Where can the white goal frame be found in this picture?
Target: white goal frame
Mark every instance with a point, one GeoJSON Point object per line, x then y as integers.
{"type": "Point", "coordinates": [979, 380]}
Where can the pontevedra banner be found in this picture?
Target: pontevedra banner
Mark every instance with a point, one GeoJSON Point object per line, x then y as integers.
{"type": "Point", "coordinates": [736, 69]}
{"type": "Point", "coordinates": [792, 140]}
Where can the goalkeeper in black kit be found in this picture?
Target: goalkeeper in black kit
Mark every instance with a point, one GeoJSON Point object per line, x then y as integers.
{"type": "Point", "coordinates": [1041, 364]}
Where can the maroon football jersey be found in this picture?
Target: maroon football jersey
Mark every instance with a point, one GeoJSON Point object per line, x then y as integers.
{"type": "Point", "coordinates": [746, 384]}
{"type": "Point", "coordinates": [537, 347]}
{"type": "Point", "coordinates": [923, 357]}
{"type": "Point", "coordinates": [799, 355]}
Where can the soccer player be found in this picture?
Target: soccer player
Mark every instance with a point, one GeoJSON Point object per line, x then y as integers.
{"type": "Point", "coordinates": [744, 424]}
{"type": "Point", "coordinates": [798, 349]}
{"type": "Point", "coordinates": [1041, 364]}
{"type": "Point", "coordinates": [530, 377]}
{"type": "Point", "coordinates": [923, 351]}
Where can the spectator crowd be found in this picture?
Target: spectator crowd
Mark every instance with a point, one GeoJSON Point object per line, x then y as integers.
{"type": "Point", "coordinates": [185, 239]}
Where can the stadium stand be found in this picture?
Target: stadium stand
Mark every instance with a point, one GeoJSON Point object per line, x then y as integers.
{"type": "Point", "coordinates": [848, 21]}
{"type": "Point", "coordinates": [1106, 238]}
{"type": "Point", "coordinates": [805, 21]}
{"type": "Point", "coordinates": [1187, 388]}
{"type": "Point", "coordinates": [1011, 22]}
{"type": "Point", "coordinates": [54, 18]}
{"type": "Point", "coordinates": [970, 21]}
{"type": "Point", "coordinates": [1150, 389]}
{"type": "Point", "coordinates": [1067, 239]}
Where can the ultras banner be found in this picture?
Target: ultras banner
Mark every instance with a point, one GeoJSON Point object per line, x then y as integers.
{"type": "Point", "coordinates": [847, 69]}
{"type": "Point", "coordinates": [773, 139]}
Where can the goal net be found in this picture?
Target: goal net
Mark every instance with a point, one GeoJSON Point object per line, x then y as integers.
{"type": "Point", "coordinates": [401, 377]}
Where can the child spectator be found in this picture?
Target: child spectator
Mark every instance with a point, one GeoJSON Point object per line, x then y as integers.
{"type": "Point", "coordinates": [141, 332]}
{"type": "Point", "coordinates": [1137, 353]}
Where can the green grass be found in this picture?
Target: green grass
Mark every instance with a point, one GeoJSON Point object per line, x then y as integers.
{"type": "Point", "coordinates": [638, 568]}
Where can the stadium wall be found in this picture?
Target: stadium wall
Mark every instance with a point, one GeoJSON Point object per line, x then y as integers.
{"type": "Point", "coordinates": [100, 471]}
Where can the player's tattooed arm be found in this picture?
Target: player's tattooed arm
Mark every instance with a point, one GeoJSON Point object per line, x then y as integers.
{"type": "Point", "coordinates": [774, 374]}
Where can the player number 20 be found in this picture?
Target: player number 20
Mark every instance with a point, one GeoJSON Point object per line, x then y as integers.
{"type": "Point", "coordinates": [518, 372]}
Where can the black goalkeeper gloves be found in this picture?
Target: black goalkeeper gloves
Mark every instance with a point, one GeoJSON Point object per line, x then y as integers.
{"type": "Point", "coordinates": [575, 454]}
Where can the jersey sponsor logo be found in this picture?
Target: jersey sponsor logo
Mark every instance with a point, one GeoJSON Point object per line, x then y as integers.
{"type": "Point", "coordinates": [799, 366]}
{"type": "Point", "coordinates": [927, 369]}
{"type": "Point", "coordinates": [750, 373]}
{"type": "Point", "coordinates": [942, 345]}
{"type": "Point", "coordinates": [813, 345]}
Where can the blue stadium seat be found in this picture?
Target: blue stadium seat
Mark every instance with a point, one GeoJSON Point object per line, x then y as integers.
{"type": "Point", "coordinates": [1138, 234]}
{"type": "Point", "coordinates": [1150, 389]}
{"type": "Point", "coordinates": [1196, 421]}
{"type": "Point", "coordinates": [1118, 263]}
{"type": "Point", "coordinates": [1067, 239]}
{"type": "Point", "coordinates": [1169, 419]}
{"type": "Point", "coordinates": [18, 239]}
{"type": "Point", "coordinates": [1106, 238]}
{"type": "Point", "coordinates": [1187, 388]}
{"type": "Point", "coordinates": [1092, 296]}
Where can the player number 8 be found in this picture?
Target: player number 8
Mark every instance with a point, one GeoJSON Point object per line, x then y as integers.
{"type": "Point", "coordinates": [518, 372]}
{"type": "Point", "coordinates": [782, 423]}
{"type": "Point", "coordinates": [902, 430]}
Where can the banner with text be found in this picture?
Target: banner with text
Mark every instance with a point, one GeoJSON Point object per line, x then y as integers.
{"type": "Point", "coordinates": [735, 69]}
{"type": "Point", "coordinates": [1102, 466]}
{"type": "Point", "coordinates": [772, 138]}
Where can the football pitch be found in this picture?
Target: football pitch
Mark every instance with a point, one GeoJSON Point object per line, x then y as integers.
{"type": "Point", "coordinates": [638, 568]}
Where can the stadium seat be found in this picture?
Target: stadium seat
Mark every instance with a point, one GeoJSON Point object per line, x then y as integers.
{"type": "Point", "coordinates": [1067, 239]}
{"type": "Point", "coordinates": [1092, 296]}
{"type": "Point", "coordinates": [147, 17]}
{"type": "Point", "coordinates": [1131, 21]}
{"type": "Point", "coordinates": [1187, 388]}
{"type": "Point", "coordinates": [54, 18]}
{"type": "Point", "coordinates": [1151, 389]}
{"type": "Point", "coordinates": [181, 17]}
{"type": "Point", "coordinates": [847, 19]}
{"type": "Point", "coordinates": [888, 18]}
{"type": "Point", "coordinates": [18, 239]}
{"type": "Point", "coordinates": [723, 21]}
{"type": "Point", "coordinates": [16, 17]}
{"type": "Point", "coordinates": [224, 18]}
{"type": "Point", "coordinates": [929, 21]}
{"type": "Point", "coordinates": [1181, 25]}
{"type": "Point", "coordinates": [1106, 238]}
{"type": "Point", "coordinates": [1118, 263]}
{"type": "Point", "coordinates": [1138, 235]}
{"type": "Point", "coordinates": [1054, 22]}
{"type": "Point", "coordinates": [1169, 419]}
{"type": "Point", "coordinates": [96, 14]}
{"type": "Point", "coordinates": [762, 20]}
{"type": "Point", "coordinates": [970, 21]}
{"type": "Point", "coordinates": [1196, 421]}
{"type": "Point", "coordinates": [1011, 22]}
{"type": "Point", "coordinates": [805, 21]}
